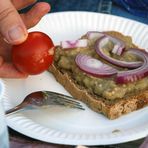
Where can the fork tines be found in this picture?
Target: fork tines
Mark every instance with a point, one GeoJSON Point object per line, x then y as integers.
{"type": "Point", "coordinates": [61, 99]}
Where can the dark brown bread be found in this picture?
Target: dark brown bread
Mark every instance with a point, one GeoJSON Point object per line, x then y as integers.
{"type": "Point", "coordinates": [110, 109]}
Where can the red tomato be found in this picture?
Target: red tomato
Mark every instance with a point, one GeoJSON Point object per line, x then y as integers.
{"type": "Point", "coordinates": [34, 55]}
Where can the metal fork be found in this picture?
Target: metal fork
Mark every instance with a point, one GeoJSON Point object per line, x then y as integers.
{"type": "Point", "coordinates": [44, 98]}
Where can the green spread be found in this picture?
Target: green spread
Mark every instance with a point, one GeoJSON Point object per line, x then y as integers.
{"type": "Point", "coordinates": [104, 87]}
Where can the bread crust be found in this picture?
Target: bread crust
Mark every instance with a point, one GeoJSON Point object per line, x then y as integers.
{"type": "Point", "coordinates": [111, 110]}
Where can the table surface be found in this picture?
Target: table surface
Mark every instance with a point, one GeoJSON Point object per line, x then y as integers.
{"type": "Point", "coordinates": [18, 140]}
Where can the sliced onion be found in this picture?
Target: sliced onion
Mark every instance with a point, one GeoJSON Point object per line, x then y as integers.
{"type": "Point", "coordinates": [119, 45]}
{"type": "Point", "coordinates": [118, 48]}
{"type": "Point", "coordinates": [135, 74]}
{"type": "Point", "coordinates": [94, 34]}
{"type": "Point", "coordinates": [93, 66]}
{"type": "Point", "coordinates": [98, 47]}
{"type": "Point", "coordinates": [74, 44]}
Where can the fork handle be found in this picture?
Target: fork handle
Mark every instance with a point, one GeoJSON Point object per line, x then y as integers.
{"type": "Point", "coordinates": [16, 108]}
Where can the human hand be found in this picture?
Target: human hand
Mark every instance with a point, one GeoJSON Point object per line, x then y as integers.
{"type": "Point", "coordinates": [13, 30]}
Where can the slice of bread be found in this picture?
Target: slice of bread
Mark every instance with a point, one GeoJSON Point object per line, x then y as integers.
{"type": "Point", "coordinates": [110, 108]}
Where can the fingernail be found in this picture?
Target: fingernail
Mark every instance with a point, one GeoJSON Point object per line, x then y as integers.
{"type": "Point", "coordinates": [16, 35]}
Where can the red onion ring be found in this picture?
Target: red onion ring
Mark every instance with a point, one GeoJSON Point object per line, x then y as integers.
{"type": "Point", "coordinates": [119, 45]}
{"type": "Point", "coordinates": [93, 66]}
{"type": "Point", "coordinates": [98, 47]}
{"type": "Point", "coordinates": [74, 44]}
{"type": "Point", "coordinates": [135, 74]}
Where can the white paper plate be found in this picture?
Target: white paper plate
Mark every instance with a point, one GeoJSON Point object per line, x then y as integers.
{"type": "Point", "coordinates": [71, 126]}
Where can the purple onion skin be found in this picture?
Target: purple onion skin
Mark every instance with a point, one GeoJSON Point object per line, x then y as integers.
{"type": "Point", "coordinates": [100, 71]}
{"type": "Point", "coordinates": [135, 74]}
{"type": "Point", "coordinates": [123, 64]}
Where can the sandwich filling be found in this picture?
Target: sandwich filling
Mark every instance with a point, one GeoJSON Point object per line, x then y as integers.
{"type": "Point", "coordinates": [105, 87]}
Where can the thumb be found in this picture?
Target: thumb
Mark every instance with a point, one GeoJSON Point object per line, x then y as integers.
{"type": "Point", "coordinates": [12, 27]}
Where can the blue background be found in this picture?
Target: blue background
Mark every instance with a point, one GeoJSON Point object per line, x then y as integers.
{"type": "Point", "coordinates": [92, 5]}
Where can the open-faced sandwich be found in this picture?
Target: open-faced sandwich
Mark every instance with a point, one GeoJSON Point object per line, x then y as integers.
{"type": "Point", "coordinates": [104, 70]}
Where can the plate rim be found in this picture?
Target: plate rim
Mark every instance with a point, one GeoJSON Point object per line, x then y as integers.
{"type": "Point", "coordinates": [97, 13]}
